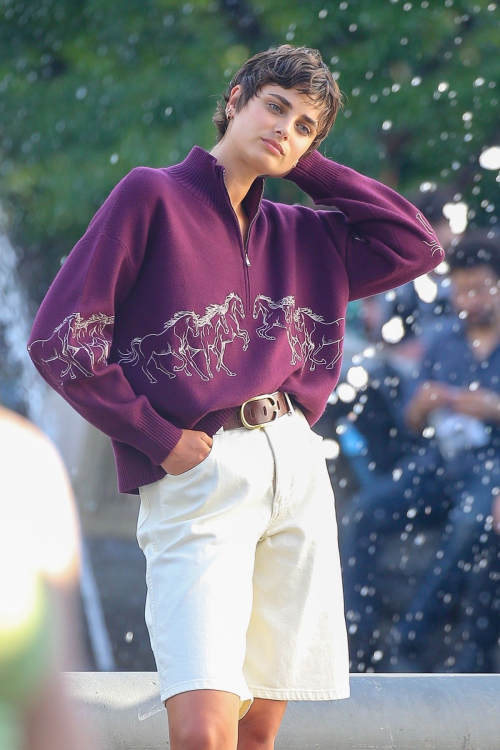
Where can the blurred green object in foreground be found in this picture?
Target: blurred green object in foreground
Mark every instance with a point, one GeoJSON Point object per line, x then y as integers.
{"type": "Point", "coordinates": [27, 643]}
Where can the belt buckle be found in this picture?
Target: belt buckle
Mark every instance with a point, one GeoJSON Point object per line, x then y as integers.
{"type": "Point", "coordinates": [257, 398]}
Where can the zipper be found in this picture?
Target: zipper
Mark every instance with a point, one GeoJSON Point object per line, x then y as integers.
{"type": "Point", "coordinates": [245, 245]}
{"type": "Point", "coordinates": [247, 259]}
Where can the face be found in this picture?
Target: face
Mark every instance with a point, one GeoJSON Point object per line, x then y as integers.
{"type": "Point", "coordinates": [273, 130]}
{"type": "Point", "coordinates": [476, 292]}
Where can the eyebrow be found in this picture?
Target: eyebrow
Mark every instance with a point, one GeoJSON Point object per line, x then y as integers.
{"type": "Point", "coordinates": [289, 105]}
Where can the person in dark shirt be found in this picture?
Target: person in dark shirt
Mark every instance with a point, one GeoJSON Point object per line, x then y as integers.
{"type": "Point", "coordinates": [453, 409]}
{"type": "Point", "coordinates": [458, 398]}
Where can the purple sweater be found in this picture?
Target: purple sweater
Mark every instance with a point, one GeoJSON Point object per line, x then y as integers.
{"type": "Point", "coordinates": [162, 319]}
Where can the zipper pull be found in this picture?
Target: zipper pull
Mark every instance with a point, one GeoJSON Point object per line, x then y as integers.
{"type": "Point", "coordinates": [247, 260]}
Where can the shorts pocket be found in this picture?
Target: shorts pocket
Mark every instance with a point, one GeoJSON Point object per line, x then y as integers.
{"type": "Point", "coordinates": [196, 467]}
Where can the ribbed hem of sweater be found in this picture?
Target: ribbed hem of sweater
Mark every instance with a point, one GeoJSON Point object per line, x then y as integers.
{"type": "Point", "coordinates": [134, 469]}
{"type": "Point", "coordinates": [158, 435]}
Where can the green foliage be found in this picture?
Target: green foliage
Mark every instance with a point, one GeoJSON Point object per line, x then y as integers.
{"type": "Point", "coordinates": [91, 89]}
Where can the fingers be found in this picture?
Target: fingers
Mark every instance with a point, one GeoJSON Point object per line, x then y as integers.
{"type": "Point", "coordinates": [206, 439]}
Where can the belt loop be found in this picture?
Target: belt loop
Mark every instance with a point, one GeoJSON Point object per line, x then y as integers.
{"type": "Point", "coordinates": [289, 402]}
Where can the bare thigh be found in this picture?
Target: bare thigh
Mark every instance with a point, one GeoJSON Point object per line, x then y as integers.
{"type": "Point", "coordinates": [203, 719]}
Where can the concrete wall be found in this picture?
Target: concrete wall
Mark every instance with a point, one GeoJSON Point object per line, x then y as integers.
{"type": "Point", "coordinates": [401, 712]}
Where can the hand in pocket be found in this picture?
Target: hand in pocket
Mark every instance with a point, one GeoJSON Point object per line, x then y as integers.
{"type": "Point", "coordinates": [193, 447]}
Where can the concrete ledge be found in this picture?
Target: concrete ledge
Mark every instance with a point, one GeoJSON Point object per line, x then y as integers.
{"type": "Point", "coordinates": [397, 711]}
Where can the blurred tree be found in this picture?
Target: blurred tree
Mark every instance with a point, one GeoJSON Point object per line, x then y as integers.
{"type": "Point", "coordinates": [90, 91]}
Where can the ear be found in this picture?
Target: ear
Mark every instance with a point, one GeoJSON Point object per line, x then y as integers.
{"type": "Point", "coordinates": [235, 95]}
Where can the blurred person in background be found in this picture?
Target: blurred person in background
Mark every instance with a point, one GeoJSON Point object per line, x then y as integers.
{"type": "Point", "coordinates": [451, 412]}
{"type": "Point", "coordinates": [390, 475]}
{"type": "Point", "coordinates": [377, 442]}
{"type": "Point", "coordinates": [39, 574]}
{"type": "Point", "coordinates": [457, 401]}
{"type": "Point", "coordinates": [398, 323]}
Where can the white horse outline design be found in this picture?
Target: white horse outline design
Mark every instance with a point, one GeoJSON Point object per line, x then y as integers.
{"type": "Point", "coordinates": [74, 336]}
{"type": "Point", "coordinates": [308, 334]}
{"type": "Point", "coordinates": [206, 334]}
{"type": "Point", "coordinates": [434, 244]}
{"type": "Point", "coordinates": [317, 335]}
{"type": "Point", "coordinates": [274, 314]}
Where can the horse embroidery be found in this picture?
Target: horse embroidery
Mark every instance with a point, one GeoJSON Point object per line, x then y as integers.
{"type": "Point", "coordinates": [189, 343]}
{"type": "Point", "coordinates": [230, 330]}
{"type": "Point", "coordinates": [308, 334]}
{"type": "Point", "coordinates": [314, 336]}
{"type": "Point", "coordinates": [434, 244]}
{"type": "Point", "coordinates": [191, 339]}
{"type": "Point", "coordinates": [274, 314]}
{"type": "Point", "coordinates": [79, 343]}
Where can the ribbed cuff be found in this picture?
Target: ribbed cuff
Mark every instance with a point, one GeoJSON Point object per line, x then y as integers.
{"type": "Point", "coordinates": [316, 175]}
{"type": "Point", "coordinates": [154, 436]}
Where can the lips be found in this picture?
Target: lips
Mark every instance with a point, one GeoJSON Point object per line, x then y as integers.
{"type": "Point", "coordinates": [277, 147]}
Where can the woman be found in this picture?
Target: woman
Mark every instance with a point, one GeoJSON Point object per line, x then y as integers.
{"type": "Point", "coordinates": [201, 327]}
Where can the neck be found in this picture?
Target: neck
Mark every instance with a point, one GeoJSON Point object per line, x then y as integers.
{"type": "Point", "coordinates": [238, 177]}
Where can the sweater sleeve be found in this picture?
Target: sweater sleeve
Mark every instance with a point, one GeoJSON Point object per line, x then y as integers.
{"type": "Point", "coordinates": [383, 240]}
{"type": "Point", "coordinates": [73, 330]}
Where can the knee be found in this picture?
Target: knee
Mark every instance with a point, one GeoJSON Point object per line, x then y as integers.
{"type": "Point", "coordinates": [256, 734]}
{"type": "Point", "coordinates": [202, 720]}
{"type": "Point", "coordinates": [199, 735]}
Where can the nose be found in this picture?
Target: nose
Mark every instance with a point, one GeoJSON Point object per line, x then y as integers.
{"type": "Point", "coordinates": [283, 129]}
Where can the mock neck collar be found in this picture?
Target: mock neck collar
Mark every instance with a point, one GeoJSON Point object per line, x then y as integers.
{"type": "Point", "coordinates": [204, 178]}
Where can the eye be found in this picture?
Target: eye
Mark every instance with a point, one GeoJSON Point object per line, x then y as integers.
{"type": "Point", "coordinates": [306, 130]}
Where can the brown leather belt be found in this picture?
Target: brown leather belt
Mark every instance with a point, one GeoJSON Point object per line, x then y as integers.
{"type": "Point", "coordinates": [259, 411]}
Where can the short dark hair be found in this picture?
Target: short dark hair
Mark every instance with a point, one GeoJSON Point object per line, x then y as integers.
{"type": "Point", "coordinates": [300, 68]}
{"type": "Point", "coordinates": [478, 247]}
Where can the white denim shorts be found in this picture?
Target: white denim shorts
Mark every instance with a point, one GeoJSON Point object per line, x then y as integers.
{"type": "Point", "coordinates": [244, 588]}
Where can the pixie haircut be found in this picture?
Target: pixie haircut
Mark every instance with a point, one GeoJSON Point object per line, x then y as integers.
{"type": "Point", "coordinates": [299, 68]}
{"type": "Point", "coordinates": [479, 247]}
